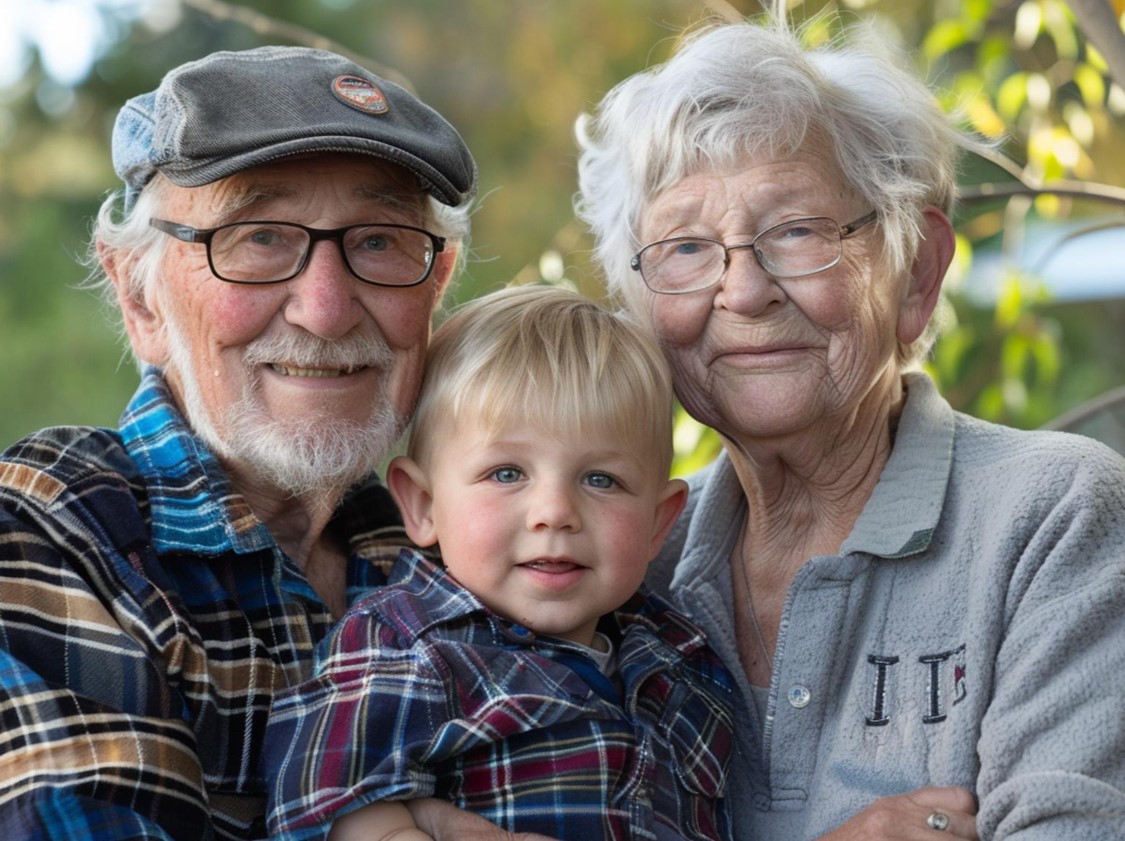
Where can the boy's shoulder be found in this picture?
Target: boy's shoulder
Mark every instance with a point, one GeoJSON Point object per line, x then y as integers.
{"type": "Point", "coordinates": [418, 597]}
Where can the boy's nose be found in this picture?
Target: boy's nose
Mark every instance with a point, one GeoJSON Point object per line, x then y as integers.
{"type": "Point", "coordinates": [553, 508]}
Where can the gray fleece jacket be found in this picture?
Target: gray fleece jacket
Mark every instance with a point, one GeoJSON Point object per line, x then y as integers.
{"type": "Point", "coordinates": [971, 632]}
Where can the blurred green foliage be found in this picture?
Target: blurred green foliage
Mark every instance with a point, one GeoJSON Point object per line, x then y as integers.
{"type": "Point", "coordinates": [513, 75]}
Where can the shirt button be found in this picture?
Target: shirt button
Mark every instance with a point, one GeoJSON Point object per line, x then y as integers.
{"type": "Point", "coordinates": [799, 696]}
{"type": "Point", "coordinates": [517, 636]}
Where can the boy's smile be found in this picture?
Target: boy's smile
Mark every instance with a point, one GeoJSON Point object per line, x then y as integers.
{"type": "Point", "coordinates": [554, 572]}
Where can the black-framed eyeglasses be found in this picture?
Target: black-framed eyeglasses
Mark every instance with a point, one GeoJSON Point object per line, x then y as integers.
{"type": "Point", "coordinates": [271, 252]}
{"type": "Point", "coordinates": [796, 248]}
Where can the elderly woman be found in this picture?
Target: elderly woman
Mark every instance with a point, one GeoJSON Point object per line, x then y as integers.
{"type": "Point", "coordinates": [916, 598]}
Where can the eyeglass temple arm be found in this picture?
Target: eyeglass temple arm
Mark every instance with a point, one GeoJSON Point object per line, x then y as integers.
{"type": "Point", "coordinates": [848, 230]}
{"type": "Point", "coordinates": [185, 233]}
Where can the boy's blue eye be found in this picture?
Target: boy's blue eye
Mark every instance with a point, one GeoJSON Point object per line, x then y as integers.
{"type": "Point", "coordinates": [507, 475]}
{"type": "Point", "coordinates": [602, 481]}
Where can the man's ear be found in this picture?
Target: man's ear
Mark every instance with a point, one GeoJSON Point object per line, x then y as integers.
{"type": "Point", "coordinates": [935, 253]}
{"type": "Point", "coordinates": [445, 263]}
{"type": "Point", "coordinates": [668, 508]}
{"type": "Point", "coordinates": [410, 488]}
{"type": "Point", "coordinates": [144, 325]}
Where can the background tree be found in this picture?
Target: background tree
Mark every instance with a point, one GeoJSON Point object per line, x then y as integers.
{"type": "Point", "coordinates": [513, 75]}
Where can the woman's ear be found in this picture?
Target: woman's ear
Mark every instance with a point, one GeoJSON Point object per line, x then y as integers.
{"type": "Point", "coordinates": [410, 488]}
{"type": "Point", "coordinates": [668, 507]}
{"type": "Point", "coordinates": [935, 253]}
{"type": "Point", "coordinates": [144, 325]}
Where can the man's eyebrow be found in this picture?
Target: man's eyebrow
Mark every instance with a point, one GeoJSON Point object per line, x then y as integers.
{"type": "Point", "coordinates": [409, 202]}
{"type": "Point", "coordinates": [239, 198]}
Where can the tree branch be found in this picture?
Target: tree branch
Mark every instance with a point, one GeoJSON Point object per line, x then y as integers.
{"type": "Point", "coordinates": [273, 29]}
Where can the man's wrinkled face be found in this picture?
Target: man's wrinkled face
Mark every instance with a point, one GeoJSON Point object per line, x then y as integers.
{"type": "Point", "coordinates": [302, 384]}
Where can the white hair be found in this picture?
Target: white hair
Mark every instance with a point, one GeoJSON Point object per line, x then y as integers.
{"type": "Point", "coordinates": [128, 234]}
{"type": "Point", "coordinates": [733, 90]}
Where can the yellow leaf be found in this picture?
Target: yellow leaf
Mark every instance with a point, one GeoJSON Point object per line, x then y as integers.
{"type": "Point", "coordinates": [1091, 83]}
{"type": "Point", "coordinates": [984, 118]}
{"type": "Point", "coordinates": [1009, 302]}
{"type": "Point", "coordinates": [946, 36]}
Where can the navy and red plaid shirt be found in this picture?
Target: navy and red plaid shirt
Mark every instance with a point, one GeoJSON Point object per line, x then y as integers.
{"type": "Point", "coordinates": [146, 619]}
{"type": "Point", "coordinates": [422, 691]}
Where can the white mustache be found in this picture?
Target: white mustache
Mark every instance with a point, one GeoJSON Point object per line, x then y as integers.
{"type": "Point", "coordinates": [304, 350]}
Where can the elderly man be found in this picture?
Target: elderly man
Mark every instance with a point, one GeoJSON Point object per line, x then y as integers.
{"type": "Point", "coordinates": [290, 222]}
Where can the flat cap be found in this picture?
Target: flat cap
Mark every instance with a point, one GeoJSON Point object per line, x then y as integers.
{"type": "Point", "coordinates": [234, 110]}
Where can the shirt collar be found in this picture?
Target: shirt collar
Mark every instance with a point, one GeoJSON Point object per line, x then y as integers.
{"type": "Point", "coordinates": [441, 600]}
{"type": "Point", "coordinates": [194, 509]}
{"type": "Point", "coordinates": [900, 517]}
{"type": "Point", "coordinates": [193, 506]}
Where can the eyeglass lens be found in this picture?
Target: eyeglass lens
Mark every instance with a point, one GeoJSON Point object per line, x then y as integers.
{"type": "Point", "coordinates": [794, 249]}
{"type": "Point", "coordinates": [251, 252]}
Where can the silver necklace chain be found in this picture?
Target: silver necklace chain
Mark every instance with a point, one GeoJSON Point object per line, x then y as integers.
{"type": "Point", "coordinates": [750, 599]}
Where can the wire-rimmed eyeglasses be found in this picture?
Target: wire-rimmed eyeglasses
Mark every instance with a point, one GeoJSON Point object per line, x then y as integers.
{"type": "Point", "coordinates": [796, 248]}
{"type": "Point", "coordinates": [271, 252]}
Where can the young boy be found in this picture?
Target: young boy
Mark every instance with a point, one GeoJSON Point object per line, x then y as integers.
{"type": "Point", "coordinates": [524, 678]}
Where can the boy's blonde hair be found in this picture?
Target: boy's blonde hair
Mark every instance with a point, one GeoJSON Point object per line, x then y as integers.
{"type": "Point", "coordinates": [551, 357]}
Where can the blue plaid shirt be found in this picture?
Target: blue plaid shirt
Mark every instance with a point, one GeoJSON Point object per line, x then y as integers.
{"type": "Point", "coordinates": [422, 691]}
{"type": "Point", "coordinates": [146, 620]}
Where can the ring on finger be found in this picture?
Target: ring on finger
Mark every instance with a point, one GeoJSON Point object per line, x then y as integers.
{"type": "Point", "coordinates": [938, 821]}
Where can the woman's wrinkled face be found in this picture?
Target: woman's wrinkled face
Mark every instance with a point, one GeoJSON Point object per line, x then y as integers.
{"type": "Point", "coordinates": [757, 356]}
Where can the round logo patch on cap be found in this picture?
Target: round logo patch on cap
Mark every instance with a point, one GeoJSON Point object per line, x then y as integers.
{"type": "Point", "coordinates": [360, 94]}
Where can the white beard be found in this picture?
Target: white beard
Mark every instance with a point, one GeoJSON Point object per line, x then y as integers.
{"type": "Point", "coordinates": [304, 456]}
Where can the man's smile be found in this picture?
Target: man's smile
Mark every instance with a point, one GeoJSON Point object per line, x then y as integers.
{"type": "Point", "coordinates": [294, 371]}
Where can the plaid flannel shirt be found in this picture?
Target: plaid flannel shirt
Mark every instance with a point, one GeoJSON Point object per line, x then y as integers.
{"type": "Point", "coordinates": [422, 691]}
{"type": "Point", "coordinates": [146, 619]}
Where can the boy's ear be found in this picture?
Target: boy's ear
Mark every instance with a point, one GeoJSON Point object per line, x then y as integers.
{"type": "Point", "coordinates": [410, 488]}
{"type": "Point", "coordinates": [671, 502]}
{"type": "Point", "coordinates": [935, 253]}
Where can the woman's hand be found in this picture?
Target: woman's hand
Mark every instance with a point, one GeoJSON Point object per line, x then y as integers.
{"type": "Point", "coordinates": [445, 822]}
{"type": "Point", "coordinates": [904, 818]}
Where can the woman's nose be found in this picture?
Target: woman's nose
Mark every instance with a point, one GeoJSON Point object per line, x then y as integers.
{"type": "Point", "coordinates": [746, 287]}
